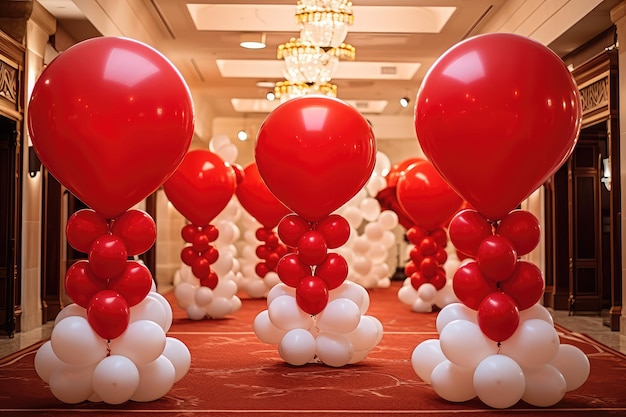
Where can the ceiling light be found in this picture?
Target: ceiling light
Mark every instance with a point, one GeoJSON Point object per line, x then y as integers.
{"type": "Point", "coordinates": [252, 40]}
{"type": "Point", "coordinates": [404, 101]}
{"type": "Point", "coordinates": [324, 22]}
{"type": "Point", "coordinates": [306, 62]}
{"type": "Point", "coordinates": [286, 90]}
{"type": "Point", "coordinates": [242, 135]}
{"type": "Point", "coordinates": [270, 96]}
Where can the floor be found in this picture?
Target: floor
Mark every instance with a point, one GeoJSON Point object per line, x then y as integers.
{"type": "Point", "coordinates": [591, 325]}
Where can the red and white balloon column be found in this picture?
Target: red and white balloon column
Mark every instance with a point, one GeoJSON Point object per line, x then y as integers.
{"type": "Point", "coordinates": [496, 129]}
{"type": "Point", "coordinates": [315, 153]}
{"type": "Point", "coordinates": [111, 133]}
{"type": "Point", "coordinates": [259, 201]}
{"type": "Point", "coordinates": [200, 189]}
{"type": "Point", "coordinates": [430, 202]}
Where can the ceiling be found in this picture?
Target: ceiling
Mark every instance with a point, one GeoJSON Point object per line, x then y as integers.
{"type": "Point", "coordinates": [396, 41]}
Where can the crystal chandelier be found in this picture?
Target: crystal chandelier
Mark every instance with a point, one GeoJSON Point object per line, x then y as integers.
{"type": "Point", "coordinates": [324, 22]}
{"type": "Point", "coordinates": [312, 59]}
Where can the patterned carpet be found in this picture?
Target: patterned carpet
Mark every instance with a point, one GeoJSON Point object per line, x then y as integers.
{"type": "Point", "coordinates": [234, 373]}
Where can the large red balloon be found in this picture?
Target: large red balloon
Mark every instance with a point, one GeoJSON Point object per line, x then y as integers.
{"type": "Point", "coordinates": [497, 115]}
{"type": "Point", "coordinates": [111, 118]}
{"type": "Point", "coordinates": [201, 187]}
{"type": "Point", "coordinates": [258, 200]}
{"type": "Point", "coordinates": [315, 153]}
{"type": "Point", "coordinates": [426, 197]}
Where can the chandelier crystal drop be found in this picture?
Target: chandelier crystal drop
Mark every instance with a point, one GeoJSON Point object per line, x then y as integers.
{"type": "Point", "coordinates": [309, 63]}
{"type": "Point", "coordinates": [286, 90]}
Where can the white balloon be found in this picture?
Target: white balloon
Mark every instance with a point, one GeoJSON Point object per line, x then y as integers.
{"type": "Point", "coordinates": [278, 290]}
{"type": "Point", "coordinates": [573, 365]}
{"type": "Point", "coordinates": [351, 291]}
{"type": "Point", "coordinates": [536, 312]}
{"type": "Point", "coordinates": [179, 355]}
{"type": "Point", "coordinates": [377, 253]}
{"type": "Point", "coordinates": [421, 306]}
{"type": "Point", "coordinates": [361, 245]}
{"type": "Point", "coordinates": [354, 216]}
{"type": "Point", "coordinates": [464, 343]}
{"type": "Point", "coordinates": [534, 343]}
{"type": "Point", "coordinates": [195, 312]}
{"type": "Point", "coordinates": [370, 209]}
{"type": "Point", "coordinates": [389, 239]}
{"type": "Point", "coordinates": [70, 310]}
{"type": "Point", "coordinates": [115, 379]}
{"type": "Point", "coordinates": [382, 165]}
{"type": "Point", "coordinates": [185, 293]}
{"type": "Point", "coordinates": [219, 308]}
{"type": "Point", "coordinates": [374, 231]}
{"type": "Point", "coordinates": [235, 304]}
{"type": "Point", "coordinates": [72, 384]}
{"type": "Point", "coordinates": [384, 283]}
{"type": "Point", "coordinates": [271, 279]}
{"type": "Point", "coordinates": [225, 288]}
{"type": "Point", "coordinates": [388, 219]}
{"type": "Point", "coordinates": [155, 380]}
{"type": "Point", "coordinates": [265, 329]}
{"type": "Point", "coordinates": [143, 341]}
{"type": "Point", "coordinates": [167, 308]}
{"type": "Point", "coordinates": [223, 264]}
{"type": "Point", "coordinates": [340, 315]}
{"type": "Point", "coordinates": [74, 342]}
{"type": "Point", "coordinates": [203, 296]}
{"type": "Point", "coordinates": [362, 265]}
{"type": "Point", "coordinates": [365, 336]}
{"type": "Point", "coordinates": [375, 184]}
{"type": "Point", "coordinates": [46, 361]}
{"type": "Point", "coordinates": [218, 141]}
{"type": "Point", "coordinates": [149, 309]}
{"type": "Point", "coordinates": [256, 288]}
{"type": "Point", "coordinates": [425, 357]}
{"type": "Point", "coordinates": [455, 311]}
{"type": "Point", "coordinates": [407, 294]}
{"type": "Point", "coordinates": [334, 349]}
{"type": "Point", "coordinates": [297, 347]}
{"type": "Point", "coordinates": [499, 381]}
{"type": "Point", "coordinates": [452, 382]}
{"type": "Point", "coordinates": [446, 295]}
{"type": "Point", "coordinates": [545, 386]}
{"type": "Point", "coordinates": [228, 153]}
{"type": "Point", "coordinates": [427, 292]}
{"type": "Point", "coordinates": [285, 314]}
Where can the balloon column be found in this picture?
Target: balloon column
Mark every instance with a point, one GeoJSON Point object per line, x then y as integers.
{"type": "Point", "coordinates": [259, 201]}
{"type": "Point", "coordinates": [388, 197]}
{"type": "Point", "coordinates": [200, 189]}
{"type": "Point", "coordinates": [496, 129]}
{"type": "Point", "coordinates": [430, 202]}
{"type": "Point", "coordinates": [122, 133]}
{"type": "Point", "coordinates": [313, 164]}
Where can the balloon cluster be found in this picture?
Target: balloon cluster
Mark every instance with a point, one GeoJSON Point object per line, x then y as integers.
{"type": "Point", "coordinates": [200, 254]}
{"type": "Point", "coordinates": [341, 334]}
{"type": "Point", "coordinates": [107, 285]}
{"type": "Point", "coordinates": [270, 251]}
{"type": "Point", "coordinates": [531, 365]}
{"type": "Point", "coordinates": [199, 300]}
{"type": "Point", "coordinates": [142, 364]}
{"type": "Point", "coordinates": [427, 271]}
{"type": "Point", "coordinates": [497, 285]}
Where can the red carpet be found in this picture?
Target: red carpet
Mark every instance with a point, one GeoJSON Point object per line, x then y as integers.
{"type": "Point", "coordinates": [233, 373]}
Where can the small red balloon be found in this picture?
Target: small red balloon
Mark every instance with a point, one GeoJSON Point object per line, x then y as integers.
{"type": "Point", "coordinates": [335, 229]}
{"type": "Point", "coordinates": [522, 228]}
{"type": "Point", "coordinates": [470, 285]}
{"type": "Point", "coordinates": [525, 286]}
{"type": "Point", "coordinates": [496, 258]}
{"type": "Point", "coordinates": [108, 314]}
{"type": "Point", "coordinates": [133, 284]}
{"type": "Point", "coordinates": [107, 256]}
{"type": "Point", "coordinates": [291, 269]}
{"type": "Point", "coordinates": [312, 248]}
{"type": "Point", "coordinates": [291, 228]}
{"type": "Point", "coordinates": [81, 284]}
{"type": "Point", "coordinates": [333, 270]}
{"type": "Point", "coordinates": [137, 229]}
{"type": "Point", "coordinates": [83, 227]}
{"type": "Point", "coordinates": [312, 295]}
{"type": "Point", "coordinates": [498, 316]}
{"type": "Point", "coordinates": [468, 228]}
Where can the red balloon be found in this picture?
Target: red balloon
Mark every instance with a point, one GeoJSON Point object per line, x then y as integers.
{"type": "Point", "coordinates": [439, 280]}
{"type": "Point", "coordinates": [210, 281]}
{"type": "Point", "coordinates": [137, 229]}
{"type": "Point", "coordinates": [291, 269]}
{"type": "Point", "coordinates": [261, 269]}
{"type": "Point", "coordinates": [291, 228]}
{"type": "Point", "coordinates": [312, 295]}
{"type": "Point", "coordinates": [498, 316]}
{"type": "Point", "coordinates": [426, 197]}
{"type": "Point", "coordinates": [417, 279]}
{"type": "Point", "coordinates": [335, 229]}
{"type": "Point", "coordinates": [201, 267]}
{"type": "Point", "coordinates": [108, 314]}
{"type": "Point", "coordinates": [258, 200]}
{"type": "Point", "coordinates": [496, 258]}
{"type": "Point", "coordinates": [521, 227]}
{"type": "Point", "coordinates": [123, 132]}
{"type": "Point", "coordinates": [415, 234]}
{"type": "Point", "coordinates": [470, 285]}
{"type": "Point", "coordinates": [496, 129]}
{"type": "Point", "coordinates": [107, 256]}
{"type": "Point", "coordinates": [200, 242]}
{"type": "Point", "coordinates": [83, 227]}
{"type": "Point", "coordinates": [428, 267]}
{"type": "Point", "coordinates": [188, 255]}
{"type": "Point", "coordinates": [397, 170]}
{"type": "Point", "coordinates": [133, 284]}
{"type": "Point", "coordinates": [81, 284]}
{"type": "Point", "coordinates": [388, 200]}
{"type": "Point", "coordinates": [525, 286]}
{"type": "Point", "coordinates": [312, 248]}
{"type": "Point", "coordinates": [320, 159]}
{"type": "Point", "coordinates": [201, 186]}
{"type": "Point", "coordinates": [211, 254]}
{"type": "Point", "coordinates": [333, 270]}
{"type": "Point", "coordinates": [188, 232]}
{"type": "Point", "coordinates": [468, 228]}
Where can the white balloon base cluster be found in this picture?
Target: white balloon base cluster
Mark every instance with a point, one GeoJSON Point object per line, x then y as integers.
{"type": "Point", "coordinates": [200, 302]}
{"type": "Point", "coordinates": [339, 335]}
{"type": "Point", "coordinates": [142, 364]}
{"type": "Point", "coordinates": [531, 365]}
